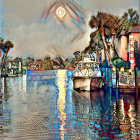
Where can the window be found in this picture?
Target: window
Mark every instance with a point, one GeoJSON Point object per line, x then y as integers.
{"type": "Point", "coordinates": [131, 61]}
{"type": "Point", "coordinates": [131, 36]}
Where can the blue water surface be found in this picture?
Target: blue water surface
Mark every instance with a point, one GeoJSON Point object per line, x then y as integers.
{"type": "Point", "coordinates": [44, 106]}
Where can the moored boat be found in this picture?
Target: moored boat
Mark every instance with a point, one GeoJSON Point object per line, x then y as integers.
{"type": "Point", "coordinates": [87, 75]}
{"type": "Point", "coordinates": [12, 75]}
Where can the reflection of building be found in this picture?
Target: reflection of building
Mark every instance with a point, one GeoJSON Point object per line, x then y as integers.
{"type": "Point", "coordinates": [127, 116]}
{"type": "Point", "coordinates": [5, 112]}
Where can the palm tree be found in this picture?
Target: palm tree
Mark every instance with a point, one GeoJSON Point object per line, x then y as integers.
{"type": "Point", "coordinates": [107, 25]}
{"type": "Point", "coordinates": [6, 47]}
{"type": "Point", "coordinates": [58, 60]}
{"type": "Point", "coordinates": [129, 19]}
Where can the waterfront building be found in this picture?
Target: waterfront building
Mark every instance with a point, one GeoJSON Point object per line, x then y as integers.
{"type": "Point", "coordinates": [14, 67]}
{"type": "Point", "coordinates": [134, 36]}
{"type": "Point", "coordinates": [122, 46]}
{"type": "Point", "coordinates": [127, 41]}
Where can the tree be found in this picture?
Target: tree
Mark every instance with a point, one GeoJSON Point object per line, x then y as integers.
{"type": "Point", "coordinates": [1, 43]}
{"type": "Point", "coordinates": [107, 25]}
{"type": "Point", "coordinates": [59, 61]}
{"type": "Point", "coordinates": [5, 47]}
{"type": "Point", "coordinates": [95, 44]}
{"type": "Point", "coordinates": [18, 59]}
{"type": "Point", "coordinates": [129, 19]}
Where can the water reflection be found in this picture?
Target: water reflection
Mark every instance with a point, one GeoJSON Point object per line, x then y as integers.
{"type": "Point", "coordinates": [109, 120]}
{"type": "Point", "coordinates": [49, 109]}
{"type": "Point", "coordinates": [5, 112]}
{"type": "Point", "coordinates": [127, 116]}
{"type": "Point", "coordinates": [61, 102]}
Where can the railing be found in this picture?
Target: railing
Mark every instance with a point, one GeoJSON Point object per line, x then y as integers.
{"type": "Point", "coordinates": [86, 69]}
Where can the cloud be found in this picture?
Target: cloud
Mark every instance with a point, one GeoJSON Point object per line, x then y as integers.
{"type": "Point", "coordinates": [40, 40]}
{"type": "Point", "coordinates": [32, 38]}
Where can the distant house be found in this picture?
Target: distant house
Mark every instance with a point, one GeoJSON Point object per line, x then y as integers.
{"type": "Point", "coordinates": [14, 67]}
{"type": "Point", "coordinates": [25, 64]}
{"type": "Point", "coordinates": [34, 65]}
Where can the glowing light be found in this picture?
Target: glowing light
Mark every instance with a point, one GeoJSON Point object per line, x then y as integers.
{"type": "Point", "coordinates": [129, 71]}
{"type": "Point", "coordinates": [132, 49]}
{"type": "Point", "coordinates": [60, 12]}
{"type": "Point", "coordinates": [113, 69]}
{"type": "Point", "coordinates": [122, 69]}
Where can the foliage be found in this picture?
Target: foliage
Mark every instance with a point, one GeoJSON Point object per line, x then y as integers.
{"type": "Point", "coordinates": [129, 19]}
{"type": "Point", "coordinates": [107, 25]}
{"type": "Point", "coordinates": [96, 42]}
{"type": "Point", "coordinates": [5, 46]}
{"type": "Point", "coordinates": [119, 62]}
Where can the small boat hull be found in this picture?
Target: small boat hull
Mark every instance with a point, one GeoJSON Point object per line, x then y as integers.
{"type": "Point", "coordinates": [12, 75]}
{"type": "Point", "coordinates": [81, 83]}
{"type": "Point", "coordinates": [84, 83]}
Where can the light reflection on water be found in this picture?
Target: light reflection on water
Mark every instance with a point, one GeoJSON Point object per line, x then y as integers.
{"type": "Point", "coordinates": [49, 110]}
{"type": "Point", "coordinates": [61, 101]}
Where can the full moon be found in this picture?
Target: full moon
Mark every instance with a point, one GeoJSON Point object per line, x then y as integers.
{"type": "Point", "coordinates": [60, 12]}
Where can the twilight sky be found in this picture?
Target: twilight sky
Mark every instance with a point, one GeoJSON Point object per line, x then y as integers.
{"type": "Point", "coordinates": [32, 38]}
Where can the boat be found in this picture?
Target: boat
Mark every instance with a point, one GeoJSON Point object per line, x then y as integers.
{"type": "Point", "coordinates": [87, 75]}
{"type": "Point", "coordinates": [12, 75]}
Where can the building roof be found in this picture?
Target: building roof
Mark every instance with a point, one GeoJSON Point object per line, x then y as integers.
{"type": "Point", "coordinates": [135, 29]}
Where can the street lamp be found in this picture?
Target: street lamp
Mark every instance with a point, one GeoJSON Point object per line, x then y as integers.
{"type": "Point", "coordinates": [122, 69]}
{"type": "Point", "coordinates": [114, 69]}
{"type": "Point", "coordinates": [129, 71]}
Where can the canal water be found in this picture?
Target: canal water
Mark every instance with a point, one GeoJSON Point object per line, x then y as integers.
{"type": "Point", "coordinates": [47, 108]}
